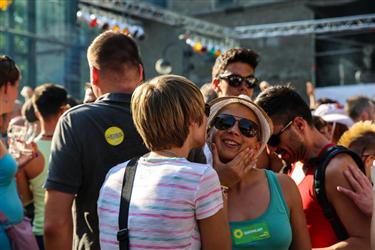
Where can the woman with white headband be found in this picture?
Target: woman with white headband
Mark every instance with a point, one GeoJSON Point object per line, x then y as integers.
{"type": "Point", "coordinates": [264, 208]}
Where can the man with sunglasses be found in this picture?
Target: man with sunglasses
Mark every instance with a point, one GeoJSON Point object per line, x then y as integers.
{"type": "Point", "coordinates": [299, 143]}
{"type": "Point", "coordinates": [233, 73]}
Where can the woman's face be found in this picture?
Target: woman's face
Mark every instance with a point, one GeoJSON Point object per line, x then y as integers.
{"type": "Point", "coordinates": [9, 94]}
{"type": "Point", "coordinates": [231, 142]}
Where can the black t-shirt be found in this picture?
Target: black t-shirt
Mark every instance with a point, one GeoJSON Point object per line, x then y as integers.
{"type": "Point", "coordinates": [89, 140]}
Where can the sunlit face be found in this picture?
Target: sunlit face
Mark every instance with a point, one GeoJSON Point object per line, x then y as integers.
{"type": "Point", "coordinates": [10, 95]}
{"type": "Point", "coordinates": [231, 142]}
{"type": "Point", "coordinates": [368, 158]}
{"type": "Point", "coordinates": [13, 91]}
{"type": "Point", "coordinates": [241, 69]}
{"type": "Point", "coordinates": [291, 148]}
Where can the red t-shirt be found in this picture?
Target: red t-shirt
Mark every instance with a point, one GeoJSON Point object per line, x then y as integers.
{"type": "Point", "coordinates": [320, 230]}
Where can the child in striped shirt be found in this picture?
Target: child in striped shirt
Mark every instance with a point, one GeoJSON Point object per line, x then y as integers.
{"type": "Point", "coordinates": [175, 204]}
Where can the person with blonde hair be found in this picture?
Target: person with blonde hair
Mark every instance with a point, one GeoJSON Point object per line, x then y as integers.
{"type": "Point", "coordinates": [174, 204]}
{"type": "Point", "coordinates": [360, 138]}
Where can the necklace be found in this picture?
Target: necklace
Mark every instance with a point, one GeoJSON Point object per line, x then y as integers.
{"type": "Point", "coordinates": [44, 136]}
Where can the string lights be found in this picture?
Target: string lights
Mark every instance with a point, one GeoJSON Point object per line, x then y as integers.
{"type": "Point", "coordinates": [204, 45]}
{"type": "Point", "coordinates": [4, 4]}
{"type": "Point", "coordinates": [108, 22]}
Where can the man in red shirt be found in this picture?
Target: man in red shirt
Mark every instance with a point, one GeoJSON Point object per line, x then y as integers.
{"type": "Point", "coordinates": [298, 142]}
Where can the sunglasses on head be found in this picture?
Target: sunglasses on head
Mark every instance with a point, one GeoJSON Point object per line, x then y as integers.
{"type": "Point", "coordinates": [235, 80]}
{"type": "Point", "coordinates": [274, 140]}
{"type": "Point", "coordinates": [247, 127]}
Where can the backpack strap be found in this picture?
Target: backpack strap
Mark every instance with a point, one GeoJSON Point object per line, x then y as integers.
{"type": "Point", "coordinates": [319, 187]}
{"type": "Point", "coordinates": [126, 192]}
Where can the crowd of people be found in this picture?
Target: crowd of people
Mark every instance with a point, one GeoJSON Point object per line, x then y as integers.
{"type": "Point", "coordinates": [163, 164]}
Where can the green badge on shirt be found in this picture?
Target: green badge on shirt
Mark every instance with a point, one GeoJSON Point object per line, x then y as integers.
{"type": "Point", "coordinates": [247, 234]}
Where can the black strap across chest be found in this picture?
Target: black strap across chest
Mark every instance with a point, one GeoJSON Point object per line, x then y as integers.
{"type": "Point", "coordinates": [126, 192]}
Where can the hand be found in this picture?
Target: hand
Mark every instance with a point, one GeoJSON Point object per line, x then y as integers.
{"type": "Point", "coordinates": [29, 152]}
{"type": "Point", "coordinates": [361, 194]}
{"type": "Point", "coordinates": [231, 172]}
{"type": "Point", "coordinates": [310, 89]}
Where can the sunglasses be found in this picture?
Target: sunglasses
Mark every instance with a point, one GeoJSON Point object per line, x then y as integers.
{"type": "Point", "coordinates": [274, 140]}
{"type": "Point", "coordinates": [236, 80]}
{"type": "Point", "coordinates": [247, 128]}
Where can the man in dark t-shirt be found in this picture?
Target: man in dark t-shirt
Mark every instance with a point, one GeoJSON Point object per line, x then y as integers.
{"type": "Point", "coordinates": [89, 140]}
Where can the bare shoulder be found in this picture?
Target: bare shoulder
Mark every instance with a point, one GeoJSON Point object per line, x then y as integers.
{"type": "Point", "coordinates": [285, 181]}
{"type": "Point", "coordinates": [336, 167]}
{"type": "Point", "coordinates": [289, 189]}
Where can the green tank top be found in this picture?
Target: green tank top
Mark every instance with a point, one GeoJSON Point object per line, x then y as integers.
{"type": "Point", "coordinates": [271, 230]}
{"type": "Point", "coordinates": [37, 188]}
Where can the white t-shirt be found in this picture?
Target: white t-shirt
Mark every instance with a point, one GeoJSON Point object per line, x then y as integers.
{"type": "Point", "coordinates": [169, 196]}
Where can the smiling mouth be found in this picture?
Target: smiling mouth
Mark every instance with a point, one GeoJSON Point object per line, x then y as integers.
{"type": "Point", "coordinates": [230, 143]}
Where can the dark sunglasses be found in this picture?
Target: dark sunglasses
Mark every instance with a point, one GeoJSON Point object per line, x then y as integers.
{"type": "Point", "coordinates": [7, 64]}
{"type": "Point", "coordinates": [236, 80]}
{"type": "Point", "coordinates": [274, 140]}
{"type": "Point", "coordinates": [207, 109]}
{"type": "Point", "coordinates": [247, 128]}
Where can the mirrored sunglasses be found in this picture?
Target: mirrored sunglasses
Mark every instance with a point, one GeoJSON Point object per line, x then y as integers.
{"type": "Point", "coordinates": [235, 80]}
{"type": "Point", "coordinates": [247, 127]}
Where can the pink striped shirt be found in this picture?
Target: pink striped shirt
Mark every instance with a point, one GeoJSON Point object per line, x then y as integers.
{"type": "Point", "coordinates": [169, 196]}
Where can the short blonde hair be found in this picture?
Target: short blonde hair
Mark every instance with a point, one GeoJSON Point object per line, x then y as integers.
{"type": "Point", "coordinates": [163, 109]}
{"type": "Point", "coordinates": [360, 137]}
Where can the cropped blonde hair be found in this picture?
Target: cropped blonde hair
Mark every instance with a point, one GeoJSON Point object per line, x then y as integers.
{"type": "Point", "coordinates": [163, 109]}
{"type": "Point", "coordinates": [360, 137]}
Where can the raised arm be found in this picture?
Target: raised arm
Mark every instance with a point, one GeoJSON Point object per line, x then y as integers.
{"type": "Point", "coordinates": [361, 191]}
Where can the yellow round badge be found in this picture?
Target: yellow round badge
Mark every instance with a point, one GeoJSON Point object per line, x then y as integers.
{"type": "Point", "coordinates": [238, 233]}
{"type": "Point", "coordinates": [114, 136]}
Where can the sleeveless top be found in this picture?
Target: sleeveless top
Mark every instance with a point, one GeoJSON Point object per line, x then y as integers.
{"type": "Point", "coordinates": [10, 206]}
{"type": "Point", "coordinates": [271, 230]}
{"type": "Point", "coordinates": [37, 188]}
{"type": "Point", "coordinates": [320, 229]}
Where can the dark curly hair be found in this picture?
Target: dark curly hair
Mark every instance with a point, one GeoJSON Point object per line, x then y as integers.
{"type": "Point", "coordinates": [234, 55]}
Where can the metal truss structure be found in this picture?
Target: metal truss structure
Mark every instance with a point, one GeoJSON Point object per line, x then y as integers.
{"type": "Point", "coordinates": [146, 11]}
{"type": "Point", "coordinates": [318, 26]}
{"type": "Point", "coordinates": [149, 12]}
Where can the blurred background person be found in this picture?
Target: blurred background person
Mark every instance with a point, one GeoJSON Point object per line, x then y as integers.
{"type": "Point", "coordinates": [360, 108]}
{"type": "Point", "coordinates": [335, 117]}
{"type": "Point", "coordinates": [49, 102]}
{"type": "Point", "coordinates": [10, 206]}
{"type": "Point", "coordinates": [208, 92]}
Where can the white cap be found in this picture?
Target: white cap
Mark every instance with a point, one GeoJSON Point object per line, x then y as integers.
{"type": "Point", "coordinates": [331, 112]}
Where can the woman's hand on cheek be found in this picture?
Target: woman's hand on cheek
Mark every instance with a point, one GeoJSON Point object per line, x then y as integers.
{"type": "Point", "coordinates": [231, 172]}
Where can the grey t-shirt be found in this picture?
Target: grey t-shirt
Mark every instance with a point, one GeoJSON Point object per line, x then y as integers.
{"type": "Point", "coordinates": [89, 140]}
